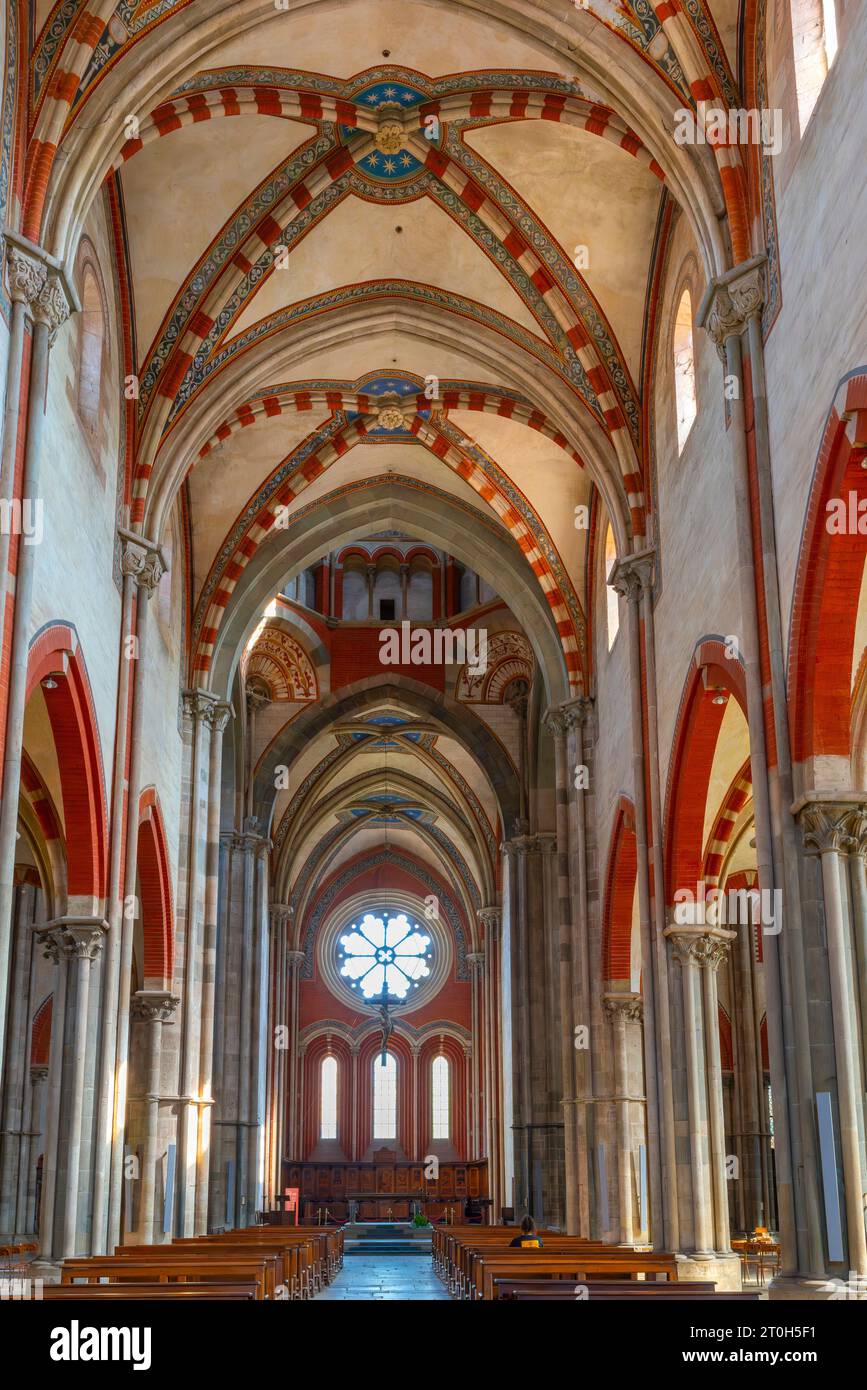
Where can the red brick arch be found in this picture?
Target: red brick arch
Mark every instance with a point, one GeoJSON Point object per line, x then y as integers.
{"type": "Point", "coordinates": [620, 896]}
{"type": "Point", "coordinates": [694, 746]}
{"type": "Point", "coordinates": [155, 888]}
{"type": "Point", "coordinates": [734, 801]}
{"type": "Point", "coordinates": [828, 580]}
{"type": "Point", "coordinates": [40, 1033]}
{"type": "Point", "coordinates": [55, 652]}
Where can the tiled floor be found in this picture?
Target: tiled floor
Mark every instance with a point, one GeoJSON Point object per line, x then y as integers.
{"type": "Point", "coordinates": [386, 1278]}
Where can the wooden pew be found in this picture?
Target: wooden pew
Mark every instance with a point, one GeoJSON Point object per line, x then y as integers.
{"type": "Point", "coordinates": [578, 1267]}
{"type": "Point", "coordinates": [613, 1290]}
{"type": "Point", "coordinates": [294, 1261]}
{"type": "Point", "coordinates": [469, 1255]}
{"type": "Point", "coordinates": [170, 1267]}
{"type": "Point", "coordinates": [451, 1244]}
{"type": "Point", "coordinates": [152, 1293]}
{"type": "Point", "coordinates": [324, 1244]}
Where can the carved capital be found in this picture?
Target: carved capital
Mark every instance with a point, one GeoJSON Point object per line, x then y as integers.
{"type": "Point", "coordinates": [632, 576]}
{"type": "Point", "coordinates": [555, 721]}
{"type": "Point", "coordinates": [731, 301]}
{"type": "Point", "coordinates": [577, 712]}
{"type": "Point", "coordinates": [257, 698]}
{"type": "Point", "coordinates": [51, 307]}
{"type": "Point", "coordinates": [38, 1074]}
{"type": "Point", "coordinates": [141, 559]}
{"type": "Point", "coordinates": [700, 947]}
{"type": "Point", "coordinates": [833, 827]}
{"type": "Point", "coordinates": [153, 1005]}
{"type": "Point", "coordinates": [623, 1008]}
{"type": "Point", "coordinates": [280, 914]}
{"type": "Point", "coordinates": [490, 918]}
{"type": "Point", "coordinates": [296, 959]}
{"type": "Point", "coordinates": [26, 277]}
{"type": "Point", "coordinates": [198, 704]}
{"type": "Point", "coordinates": [476, 959]}
{"type": "Point", "coordinates": [218, 716]}
{"type": "Point", "coordinates": [73, 938]}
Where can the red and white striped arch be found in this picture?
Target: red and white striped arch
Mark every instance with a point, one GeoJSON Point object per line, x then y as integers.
{"type": "Point", "coordinates": [316, 464]}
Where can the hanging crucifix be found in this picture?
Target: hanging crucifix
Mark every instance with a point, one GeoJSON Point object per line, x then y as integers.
{"type": "Point", "coordinates": [387, 1025]}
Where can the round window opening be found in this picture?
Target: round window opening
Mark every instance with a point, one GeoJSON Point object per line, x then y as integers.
{"type": "Point", "coordinates": [385, 956]}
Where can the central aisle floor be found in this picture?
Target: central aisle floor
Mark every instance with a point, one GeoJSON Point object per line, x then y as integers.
{"type": "Point", "coordinates": [386, 1277]}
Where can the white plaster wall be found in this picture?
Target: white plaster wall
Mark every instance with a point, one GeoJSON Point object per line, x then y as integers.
{"type": "Point", "coordinates": [696, 520]}
{"type": "Point", "coordinates": [73, 579]}
{"type": "Point", "coordinates": [821, 332]}
{"type": "Point", "coordinates": [162, 746]}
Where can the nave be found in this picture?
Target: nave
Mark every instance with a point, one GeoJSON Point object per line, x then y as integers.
{"type": "Point", "coordinates": [433, 649]}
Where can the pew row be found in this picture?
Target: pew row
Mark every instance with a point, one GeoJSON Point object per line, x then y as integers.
{"type": "Point", "coordinates": [149, 1293]}
{"type": "Point", "coordinates": [481, 1263]}
{"type": "Point", "coordinates": [278, 1263]}
{"type": "Point", "coordinates": [611, 1290]}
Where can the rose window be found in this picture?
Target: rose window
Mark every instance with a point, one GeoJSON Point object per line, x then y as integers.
{"type": "Point", "coordinates": [385, 957]}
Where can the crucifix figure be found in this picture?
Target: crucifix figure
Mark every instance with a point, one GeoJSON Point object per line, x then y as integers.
{"type": "Point", "coordinates": [387, 1026]}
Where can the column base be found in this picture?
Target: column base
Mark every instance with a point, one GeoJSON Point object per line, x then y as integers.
{"type": "Point", "coordinates": [789, 1287]}
{"type": "Point", "coordinates": [722, 1270]}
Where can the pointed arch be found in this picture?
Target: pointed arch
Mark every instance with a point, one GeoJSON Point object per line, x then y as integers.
{"type": "Point", "coordinates": [155, 886]}
{"type": "Point", "coordinates": [55, 652]}
{"type": "Point", "coordinates": [620, 880]}
{"type": "Point", "coordinates": [827, 583]}
{"type": "Point", "coordinates": [712, 674]}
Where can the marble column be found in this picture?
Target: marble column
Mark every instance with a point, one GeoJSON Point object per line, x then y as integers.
{"type": "Point", "coordinates": [26, 279]}
{"type": "Point", "coordinates": [731, 314]}
{"type": "Point", "coordinates": [831, 828]}
{"type": "Point", "coordinates": [294, 1137]}
{"type": "Point", "coordinates": [555, 721]}
{"type": "Point", "coordinates": [148, 566]}
{"type": "Point", "coordinates": [17, 1058]}
{"type": "Point", "coordinates": [26, 1217]}
{"type": "Point", "coordinates": [404, 591]}
{"type": "Point", "coordinates": [371, 581]}
{"type": "Point", "coordinates": [279, 915]}
{"type": "Point", "coordinates": [136, 569]}
{"type": "Point", "coordinates": [586, 980]}
{"type": "Point", "coordinates": [218, 716]}
{"type": "Point", "coordinates": [632, 578]}
{"type": "Point", "coordinates": [623, 1010]}
{"type": "Point", "coordinates": [490, 919]}
{"type": "Point", "coordinates": [355, 1146]}
{"type": "Point", "coordinates": [78, 941]}
{"type": "Point", "coordinates": [537, 1130]}
{"type": "Point", "coordinates": [476, 962]}
{"type": "Point", "coordinates": [198, 713]}
{"type": "Point", "coordinates": [152, 1008]}
{"type": "Point", "coordinates": [699, 949]}
{"type": "Point", "coordinates": [54, 1085]}
{"type": "Point", "coordinates": [415, 1149]}
{"type": "Point", "coordinates": [49, 309]}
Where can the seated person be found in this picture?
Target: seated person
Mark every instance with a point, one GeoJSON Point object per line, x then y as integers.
{"type": "Point", "coordinates": [528, 1239]}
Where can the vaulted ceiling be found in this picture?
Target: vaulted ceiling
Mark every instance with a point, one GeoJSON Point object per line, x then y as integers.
{"type": "Point", "coordinates": [380, 243]}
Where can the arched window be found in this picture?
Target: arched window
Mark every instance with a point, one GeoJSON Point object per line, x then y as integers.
{"type": "Point", "coordinates": [328, 1099]}
{"type": "Point", "coordinates": [613, 597]}
{"type": "Point", "coordinates": [814, 39]}
{"type": "Point", "coordinates": [439, 1086]}
{"type": "Point", "coordinates": [684, 370]}
{"type": "Point", "coordinates": [90, 352]}
{"type": "Point", "coordinates": [384, 1097]}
